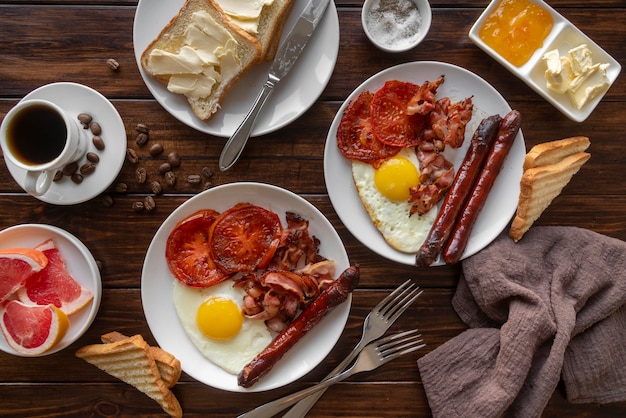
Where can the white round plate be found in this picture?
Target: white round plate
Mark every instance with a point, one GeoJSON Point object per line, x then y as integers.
{"type": "Point", "coordinates": [157, 286]}
{"type": "Point", "coordinates": [79, 263]}
{"type": "Point", "coordinates": [293, 96]}
{"type": "Point", "coordinates": [74, 99]}
{"type": "Point", "coordinates": [459, 84]}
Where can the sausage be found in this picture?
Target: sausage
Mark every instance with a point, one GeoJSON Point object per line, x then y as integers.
{"type": "Point", "coordinates": [507, 132]}
{"type": "Point", "coordinates": [331, 297]}
{"type": "Point", "coordinates": [459, 190]}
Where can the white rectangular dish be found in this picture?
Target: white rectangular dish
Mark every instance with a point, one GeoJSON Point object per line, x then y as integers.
{"type": "Point", "coordinates": [563, 36]}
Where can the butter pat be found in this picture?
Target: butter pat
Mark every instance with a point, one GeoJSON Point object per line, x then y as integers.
{"type": "Point", "coordinates": [575, 75]}
{"type": "Point", "coordinates": [185, 62]}
{"type": "Point", "coordinates": [246, 14]}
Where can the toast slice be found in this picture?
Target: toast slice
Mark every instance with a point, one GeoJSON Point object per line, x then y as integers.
{"type": "Point", "coordinates": [201, 54]}
{"type": "Point", "coordinates": [554, 151]}
{"type": "Point", "coordinates": [538, 188]}
{"type": "Point", "coordinates": [129, 361]}
{"type": "Point", "coordinates": [168, 365]}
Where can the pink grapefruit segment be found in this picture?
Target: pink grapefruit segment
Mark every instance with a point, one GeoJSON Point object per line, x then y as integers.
{"type": "Point", "coordinates": [16, 265]}
{"type": "Point", "coordinates": [54, 284]}
{"type": "Point", "coordinates": [32, 330]}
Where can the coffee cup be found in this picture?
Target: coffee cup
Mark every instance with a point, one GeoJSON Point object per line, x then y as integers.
{"type": "Point", "coordinates": [41, 138]}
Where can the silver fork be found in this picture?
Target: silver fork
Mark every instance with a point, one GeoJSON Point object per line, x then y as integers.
{"type": "Point", "coordinates": [371, 357]}
{"type": "Point", "coordinates": [375, 325]}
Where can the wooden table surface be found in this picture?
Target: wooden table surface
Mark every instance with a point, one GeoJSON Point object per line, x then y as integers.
{"type": "Point", "coordinates": [70, 40]}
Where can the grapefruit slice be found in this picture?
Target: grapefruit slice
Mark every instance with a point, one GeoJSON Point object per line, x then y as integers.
{"type": "Point", "coordinates": [54, 284]}
{"type": "Point", "coordinates": [16, 265]}
{"type": "Point", "coordinates": [30, 329]}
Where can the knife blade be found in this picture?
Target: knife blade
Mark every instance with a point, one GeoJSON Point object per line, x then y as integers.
{"type": "Point", "coordinates": [285, 58]}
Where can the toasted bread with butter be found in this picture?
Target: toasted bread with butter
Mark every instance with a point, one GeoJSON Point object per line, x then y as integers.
{"type": "Point", "coordinates": [168, 365]}
{"type": "Point", "coordinates": [548, 169]}
{"type": "Point", "coordinates": [202, 67]}
{"type": "Point", "coordinates": [129, 361]}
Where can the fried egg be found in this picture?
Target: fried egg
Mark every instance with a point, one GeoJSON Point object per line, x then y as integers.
{"type": "Point", "coordinates": [213, 320]}
{"type": "Point", "coordinates": [384, 193]}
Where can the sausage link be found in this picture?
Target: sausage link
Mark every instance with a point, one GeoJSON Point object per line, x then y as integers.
{"type": "Point", "coordinates": [507, 132]}
{"type": "Point", "coordinates": [330, 298]}
{"type": "Point", "coordinates": [459, 190]}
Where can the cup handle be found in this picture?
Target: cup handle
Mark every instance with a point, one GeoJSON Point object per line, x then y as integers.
{"type": "Point", "coordinates": [38, 182]}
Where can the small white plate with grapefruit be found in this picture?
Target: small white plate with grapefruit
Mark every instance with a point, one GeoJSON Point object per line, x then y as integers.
{"type": "Point", "coordinates": [32, 295]}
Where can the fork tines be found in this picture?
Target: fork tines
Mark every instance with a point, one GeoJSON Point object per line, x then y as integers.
{"type": "Point", "coordinates": [398, 300]}
{"type": "Point", "coordinates": [399, 344]}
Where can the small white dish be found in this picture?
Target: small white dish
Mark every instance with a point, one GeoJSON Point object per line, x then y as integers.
{"type": "Point", "coordinates": [459, 84]}
{"type": "Point", "coordinates": [157, 286]}
{"type": "Point", "coordinates": [564, 36]}
{"type": "Point", "coordinates": [293, 96]}
{"type": "Point", "coordinates": [386, 28]}
{"type": "Point", "coordinates": [75, 99]}
{"type": "Point", "coordinates": [79, 263]}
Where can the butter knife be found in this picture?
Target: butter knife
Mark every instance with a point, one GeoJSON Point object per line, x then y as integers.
{"type": "Point", "coordinates": [286, 56]}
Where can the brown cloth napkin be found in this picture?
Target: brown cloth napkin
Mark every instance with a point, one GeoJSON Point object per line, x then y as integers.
{"type": "Point", "coordinates": [551, 306]}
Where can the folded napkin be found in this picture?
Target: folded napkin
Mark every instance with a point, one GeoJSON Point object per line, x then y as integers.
{"type": "Point", "coordinates": [551, 306]}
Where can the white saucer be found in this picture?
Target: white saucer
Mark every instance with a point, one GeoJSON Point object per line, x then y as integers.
{"type": "Point", "coordinates": [74, 99]}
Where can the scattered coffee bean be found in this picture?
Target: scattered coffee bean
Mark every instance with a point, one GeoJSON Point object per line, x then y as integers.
{"type": "Point", "coordinates": [170, 178]}
{"type": "Point", "coordinates": [87, 168]}
{"type": "Point", "coordinates": [95, 127]}
{"type": "Point", "coordinates": [141, 175]}
{"type": "Point", "coordinates": [93, 157]}
{"type": "Point", "coordinates": [194, 179]}
{"type": "Point", "coordinates": [173, 159]}
{"type": "Point", "coordinates": [99, 265]}
{"type": "Point", "coordinates": [149, 204]}
{"type": "Point", "coordinates": [206, 172]}
{"type": "Point", "coordinates": [98, 142]}
{"type": "Point", "coordinates": [156, 187]}
{"type": "Point", "coordinates": [141, 128]}
{"type": "Point", "coordinates": [113, 64]}
{"type": "Point", "coordinates": [107, 200]}
{"type": "Point", "coordinates": [156, 149]}
{"type": "Point", "coordinates": [77, 178]}
{"type": "Point", "coordinates": [207, 185]}
{"type": "Point", "coordinates": [164, 168]}
{"type": "Point", "coordinates": [131, 156]}
{"type": "Point", "coordinates": [137, 206]}
{"type": "Point", "coordinates": [70, 169]}
{"type": "Point", "coordinates": [58, 175]}
{"type": "Point", "coordinates": [121, 187]}
{"type": "Point", "coordinates": [141, 139]}
{"type": "Point", "coordinates": [85, 119]}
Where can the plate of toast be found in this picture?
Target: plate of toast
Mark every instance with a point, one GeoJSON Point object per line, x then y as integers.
{"type": "Point", "coordinates": [216, 104]}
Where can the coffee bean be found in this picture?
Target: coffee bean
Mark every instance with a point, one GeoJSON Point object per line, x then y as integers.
{"type": "Point", "coordinates": [58, 175]}
{"type": "Point", "coordinates": [113, 64]}
{"type": "Point", "coordinates": [87, 168]}
{"type": "Point", "coordinates": [98, 142]}
{"type": "Point", "coordinates": [70, 169]}
{"type": "Point", "coordinates": [137, 206]}
{"type": "Point", "coordinates": [93, 157]}
{"type": "Point", "coordinates": [173, 159]}
{"type": "Point", "coordinates": [141, 128]}
{"type": "Point", "coordinates": [141, 139]}
{"type": "Point", "coordinates": [95, 127]}
{"type": "Point", "coordinates": [141, 175]}
{"type": "Point", "coordinates": [99, 265]}
{"type": "Point", "coordinates": [206, 172]}
{"type": "Point", "coordinates": [207, 185]}
{"type": "Point", "coordinates": [170, 178]}
{"type": "Point", "coordinates": [107, 200]}
{"type": "Point", "coordinates": [194, 179]}
{"type": "Point", "coordinates": [156, 187]}
{"type": "Point", "coordinates": [121, 187]}
{"type": "Point", "coordinates": [149, 204]}
{"type": "Point", "coordinates": [156, 149]}
{"type": "Point", "coordinates": [164, 168]}
{"type": "Point", "coordinates": [131, 156]}
{"type": "Point", "coordinates": [85, 119]}
{"type": "Point", "coordinates": [77, 178]}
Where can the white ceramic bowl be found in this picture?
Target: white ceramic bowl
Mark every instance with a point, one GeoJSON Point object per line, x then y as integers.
{"type": "Point", "coordinates": [79, 263]}
{"type": "Point", "coordinates": [383, 25]}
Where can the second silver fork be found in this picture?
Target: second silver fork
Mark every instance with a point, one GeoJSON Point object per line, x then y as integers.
{"type": "Point", "coordinates": [377, 322]}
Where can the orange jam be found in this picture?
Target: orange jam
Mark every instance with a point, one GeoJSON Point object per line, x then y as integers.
{"type": "Point", "coordinates": [516, 29]}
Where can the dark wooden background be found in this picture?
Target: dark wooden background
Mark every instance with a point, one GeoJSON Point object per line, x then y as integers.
{"type": "Point", "coordinates": [48, 41]}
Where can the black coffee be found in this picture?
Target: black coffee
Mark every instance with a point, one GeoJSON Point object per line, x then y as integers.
{"type": "Point", "coordinates": [37, 135]}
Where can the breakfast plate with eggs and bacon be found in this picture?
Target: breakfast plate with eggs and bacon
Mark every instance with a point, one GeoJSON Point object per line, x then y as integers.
{"type": "Point", "coordinates": [196, 312]}
{"type": "Point", "coordinates": [396, 139]}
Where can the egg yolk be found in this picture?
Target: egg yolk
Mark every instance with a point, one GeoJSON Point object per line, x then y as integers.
{"type": "Point", "coordinates": [219, 318]}
{"type": "Point", "coordinates": [394, 177]}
